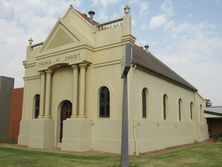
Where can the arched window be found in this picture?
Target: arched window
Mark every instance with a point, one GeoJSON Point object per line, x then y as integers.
{"type": "Point", "coordinates": [200, 113]}
{"type": "Point", "coordinates": [180, 106]}
{"type": "Point", "coordinates": [144, 102]}
{"type": "Point", "coordinates": [36, 105]}
{"type": "Point", "coordinates": [164, 106]}
{"type": "Point", "coordinates": [191, 110]}
{"type": "Point", "coordinates": [104, 102]}
{"type": "Point", "coordinates": [66, 112]}
{"type": "Point", "coordinates": [66, 109]}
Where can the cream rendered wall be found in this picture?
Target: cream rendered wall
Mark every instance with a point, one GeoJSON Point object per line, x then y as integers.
{"type": "Point", "coordinates": [33, 87]}
{"type": "Point", "coordinates": [156, 89]}
{"type": "Point", "coordinates": [153, 133]}
{"type": "Point", "coordinates": [108, 36]}
{"type": "Point", "coordinates": [108, 55]}
{"type": "Point", "coordinates": [106, 132]}
{"type": "Point", "coordinates": [74, 19]}
{"type": "Point", "coordinates": [105, 71]}
{"type": "Point", "coordinates": [202, 128]}
{"type": "Point", "coordinates": [61, 90]}
{"type": "Point", "coordinates": [102, 50]}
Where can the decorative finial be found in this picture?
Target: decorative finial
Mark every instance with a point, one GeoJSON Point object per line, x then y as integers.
{"type": "Point", "coordinates": [126, 9]}
{"type": "Point", "coordinates": [30, 41]}
{"type": "Point", "coordinates": [91, 14]}
{"type": "Point", "coordinates": [70, 6]}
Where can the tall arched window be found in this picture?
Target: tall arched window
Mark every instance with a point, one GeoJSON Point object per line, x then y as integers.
{"type": "Point", "coordinates": [104, 102]}
{"type": "Point", "coordinates": [66, 109]}
{"type": "Point", "coordinates": [164, 106]}
{"type": "Point", "coordinates": [191, 110]}
{"type": "Point", "coordinates": [66, 112]}
{"type": "Point", "coordinates": [144, 102]}
{"type": "Point", "coordinates": [200, 113]}
{"type": "Point", "coordinates": [36, 105]}
{"type": "Point", "coordinates": [180, 106]}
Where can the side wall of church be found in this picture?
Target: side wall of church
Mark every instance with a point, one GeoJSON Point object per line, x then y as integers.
{"type": "Point", "coordinates": [154, 132]}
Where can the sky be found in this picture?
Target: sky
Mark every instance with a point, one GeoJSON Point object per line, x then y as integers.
{"type": "Point", "coordinates": [186, 34]}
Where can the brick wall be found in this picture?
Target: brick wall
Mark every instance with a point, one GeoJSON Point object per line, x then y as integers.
{"type": "Point", "coordinates": [16, 112]}
{"type": "Point", "coordinates": [214, 126]}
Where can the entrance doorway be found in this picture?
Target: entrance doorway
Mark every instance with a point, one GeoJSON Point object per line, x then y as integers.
{"type": "Point", "coordinates": [66, 112]}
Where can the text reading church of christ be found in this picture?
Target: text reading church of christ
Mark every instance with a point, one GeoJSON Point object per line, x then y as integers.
{"type": "Point", "coordinates": [73, 92]}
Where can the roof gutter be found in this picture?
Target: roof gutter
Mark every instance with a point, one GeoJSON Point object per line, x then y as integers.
{"type": "Point", "coordinates": [214, 113]}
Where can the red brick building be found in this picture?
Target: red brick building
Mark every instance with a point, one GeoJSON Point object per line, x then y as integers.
{"type": "Point", "coordinates": [15, 112]}
{"type": "Point", "coordinates": [214, 120]}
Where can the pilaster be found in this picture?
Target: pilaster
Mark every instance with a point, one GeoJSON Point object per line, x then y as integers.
{"type": "Point", "coordinates": [48, 94]}
{"type": "Point", "coordinates": [75, 91]}
{"type": "Point", "coordinates": [42, 94]}
{"type": "Point", "coordinates": [82, 87]}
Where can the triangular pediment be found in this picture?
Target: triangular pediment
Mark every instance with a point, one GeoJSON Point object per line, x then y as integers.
{"type": "Point", "coordinates": [60, 36]}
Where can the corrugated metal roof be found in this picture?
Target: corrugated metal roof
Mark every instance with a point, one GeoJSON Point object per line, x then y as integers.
{"type": "Point", "coordinates": [214, 110]}
{"type": "Point", "coordinates": [153, 65]}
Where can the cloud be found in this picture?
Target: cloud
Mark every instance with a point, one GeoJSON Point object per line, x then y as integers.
{"type": "Point", "coordinates": [167, 7]}
{"type": "Point", "coordinates": [143, 8]}
{"type": "Point", "coordinates": [21, 20]}
{"type": "Point", "coordinates": [105, 3]}
{"type": "Point", "coordinates": [11, 53]}
{"type": "Point", "coordinates": [193, 50]}
{"type": "Point", "coordinates": [161, 20]}
{"type": "Point", "coordinates": [157, 21]}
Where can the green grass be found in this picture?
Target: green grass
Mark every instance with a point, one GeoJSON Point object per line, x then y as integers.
{"type": "Point", "coordinates": [200, 155]}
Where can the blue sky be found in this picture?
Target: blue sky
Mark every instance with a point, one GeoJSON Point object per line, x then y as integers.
{"type": "Point", "coordinates": [186, 34]}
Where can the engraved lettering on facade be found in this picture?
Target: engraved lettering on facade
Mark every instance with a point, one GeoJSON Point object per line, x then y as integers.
{"type": "Point", "coordinates": [71, 57]}
{"type": "Point", "coordinates": [57, 60]}
{"type": "Point", "coordinates": [44, 63]}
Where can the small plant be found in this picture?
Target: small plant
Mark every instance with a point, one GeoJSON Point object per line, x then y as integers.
{"type": "Point", "coordinates": [218, 137]}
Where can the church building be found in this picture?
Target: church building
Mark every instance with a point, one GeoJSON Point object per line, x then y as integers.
{"type": "Point", "coordinates": [73, 92]}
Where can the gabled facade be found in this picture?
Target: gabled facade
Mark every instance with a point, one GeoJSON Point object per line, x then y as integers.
{"type": "Point", "coordinates": [73, 92]}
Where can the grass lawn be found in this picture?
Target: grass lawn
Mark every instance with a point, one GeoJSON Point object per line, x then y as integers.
{"type": "Point", "coordinates": [199, 155]}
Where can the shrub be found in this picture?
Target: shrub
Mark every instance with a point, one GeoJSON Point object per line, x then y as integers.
{"type": "Point", "coordinates": [218, 137]}
{"type": "Point", "coordinates": [8, 141]}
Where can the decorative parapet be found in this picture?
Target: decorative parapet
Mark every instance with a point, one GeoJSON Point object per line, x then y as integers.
{"type": "Point", "coordinates": [36, 46]}
{"type": "Point", "coordinates": [110, 24]}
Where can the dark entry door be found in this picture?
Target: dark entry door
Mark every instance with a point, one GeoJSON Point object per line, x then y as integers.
{"type": "Point", "coordinates": [66, 112]}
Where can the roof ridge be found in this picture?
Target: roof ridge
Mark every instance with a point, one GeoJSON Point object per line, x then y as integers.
{"type": "Point", "coordinates": [161, 63]}
{"type": "Point", "coordinates": [84, 15]}
{"type": "Point", "coordinates": [162, 69]}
